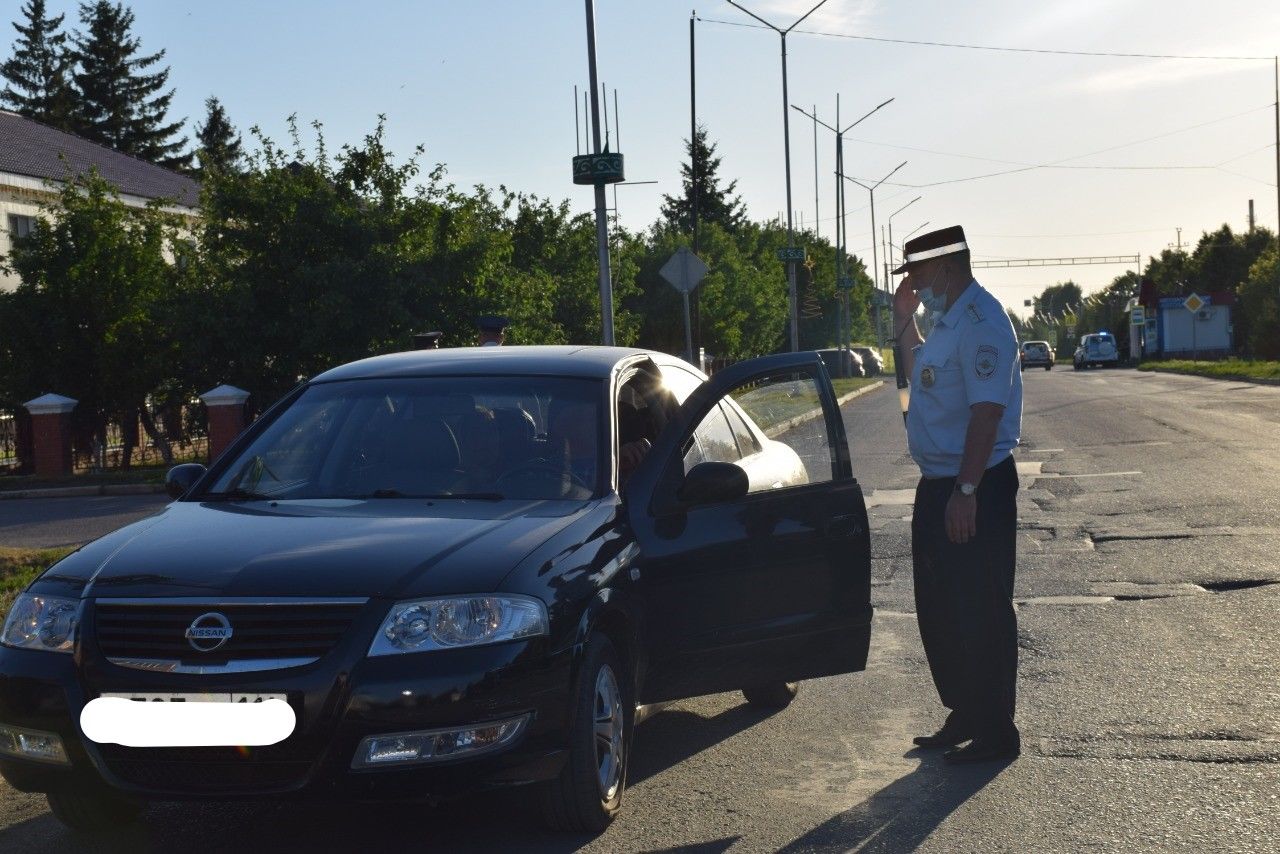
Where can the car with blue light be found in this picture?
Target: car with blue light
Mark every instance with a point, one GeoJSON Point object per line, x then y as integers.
{"type": "Point", "coordinates": [459, 569]}
{"type": "Point", "coordinates": [1096, 349]}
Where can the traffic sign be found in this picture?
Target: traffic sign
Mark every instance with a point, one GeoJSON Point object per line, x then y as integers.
{"type": "Point", "coordinates": [1137, 316]}
{"type": "Point", "coordinates": [683, 270]}
{"type": "Point", "coordinates": [1194, 303]}
{"type": "Point", "coordinates": [845, 283]}
{"type": "Point", "coordinates": [792, 253]}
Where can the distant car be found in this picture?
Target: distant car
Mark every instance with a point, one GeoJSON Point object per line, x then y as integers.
{"type": "Point", "coordinates": [442, 562]}
{"type": "Point", "coordinates": [872, 361]}
{"type": "Point", "coordinates": [1096, 348]}
{"type": "Point", "coordinates": [1036, 354]}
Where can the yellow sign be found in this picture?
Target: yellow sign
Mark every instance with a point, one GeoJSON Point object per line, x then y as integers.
{"type": "Point", "coordinates": [1193, 303]}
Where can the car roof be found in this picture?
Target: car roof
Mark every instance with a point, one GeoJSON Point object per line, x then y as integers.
{"type": "Point", "coordinates": [584, 361]}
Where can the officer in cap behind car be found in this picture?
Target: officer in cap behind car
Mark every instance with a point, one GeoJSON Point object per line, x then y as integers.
{"type": "Point", "coordinates": [964, 419]}
{"type": "Point", "coordinates": [493, 330]}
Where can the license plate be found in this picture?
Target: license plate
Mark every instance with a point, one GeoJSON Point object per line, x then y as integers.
{"type": "Point", "coordinates": [203, 697]}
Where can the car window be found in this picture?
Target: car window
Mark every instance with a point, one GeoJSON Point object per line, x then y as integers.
{"type": "Point", "coordinates": [680, 382]}
{"type": "Point", "coordinates": [514, 437]}
{"type": "Point", "coordinates": [714, 441]}
{"type": "Point", "coordinates": [747, 442]}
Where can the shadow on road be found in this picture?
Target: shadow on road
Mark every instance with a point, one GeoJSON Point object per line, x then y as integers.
{"type": "Point", "coordinates": [901, 816]}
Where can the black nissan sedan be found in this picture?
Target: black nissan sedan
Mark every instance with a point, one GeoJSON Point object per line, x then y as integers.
{"type": "Point", "coordinates": [460, 569]}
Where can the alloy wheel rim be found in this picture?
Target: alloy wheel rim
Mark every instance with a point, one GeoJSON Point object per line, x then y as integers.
{"type": "Point", "coordinates": [607, 725]}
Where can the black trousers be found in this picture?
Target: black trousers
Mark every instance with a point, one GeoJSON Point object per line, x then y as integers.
{"type": "Point", "coordinates": [964, 600]}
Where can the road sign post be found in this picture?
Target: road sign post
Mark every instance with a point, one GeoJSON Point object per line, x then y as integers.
{"type": "Point", "coordinates": [1193, 304]}
{"type": "Point", "coordinates": [684, 271]}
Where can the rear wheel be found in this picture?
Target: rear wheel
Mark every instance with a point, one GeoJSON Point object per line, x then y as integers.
{"type": "Point", "coordinates": [777, 695]}
{"type": "Point", "coordinates": [91, 809]}
{"type": "Point", "coordinates": [1048, 367]}
{"type": "Point", "coordinates": [588, 793]}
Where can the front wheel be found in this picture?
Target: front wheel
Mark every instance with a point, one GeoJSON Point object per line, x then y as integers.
{"type": "Point", "coordinates": [588, 793]}
{"type": "Point", "coordinates": [1048, 367]}
{"type": "Point", "coordinates": [776, 695]}
{"type": "Point", "coordinates": [91, 809]}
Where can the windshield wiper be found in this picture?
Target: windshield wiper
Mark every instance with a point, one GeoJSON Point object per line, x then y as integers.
{"type": "Point", "coordinates": [395, 493]}
{"type": "Point", "coordinates": [236, 494]}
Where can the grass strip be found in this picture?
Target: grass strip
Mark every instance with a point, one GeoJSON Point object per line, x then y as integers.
{"type": "Point", "coordinates": [1228, 369]}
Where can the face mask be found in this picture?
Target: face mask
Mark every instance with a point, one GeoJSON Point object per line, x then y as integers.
{"type": "Point", "coordinates": [934, 303]}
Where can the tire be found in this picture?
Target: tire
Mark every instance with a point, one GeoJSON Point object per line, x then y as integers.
{"type": "Point", "coordinates": [777, 695]}
{"type": "Point", "coordinates": [1048, 367]}
{"type": "Point", "coordinates": [587, 796]}
{"type": "Point", "coordinates": [92, 809]}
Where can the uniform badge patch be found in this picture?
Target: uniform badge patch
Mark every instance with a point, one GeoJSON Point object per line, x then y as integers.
{"type": "Point", "coordinates": [985, 360]}
{"type": "Point", "coordinates": [927, 376]}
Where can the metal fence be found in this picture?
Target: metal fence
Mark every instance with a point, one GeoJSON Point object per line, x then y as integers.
{"type": "Point", "coordinates": [8, 443]}
{"type": "Point", "coordinates": [184, 429]}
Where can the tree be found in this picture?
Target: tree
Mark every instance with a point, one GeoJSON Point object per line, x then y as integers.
{"type": "Point", "coordinates": [715, 204]}
{"type": "Point", "coordinates": [83, 322]}
{"type": "Point", "coordinates": [37, 73]}
{"type": "Point", "coordinates": [119, 105]}
{"type": "Point", "coordinates": [219, 144]}
{"type": "Point", "coordinates": [1260, 302]}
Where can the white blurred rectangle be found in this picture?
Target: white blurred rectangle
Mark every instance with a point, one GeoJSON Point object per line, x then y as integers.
{"type": "Point", "coordinates": [135, 722]}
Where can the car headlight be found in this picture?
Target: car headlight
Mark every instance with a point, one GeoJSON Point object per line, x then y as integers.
{"type": "Point", "coordinates": [457, 621]}
{"type": "Point", "coordinates": [41, 622]}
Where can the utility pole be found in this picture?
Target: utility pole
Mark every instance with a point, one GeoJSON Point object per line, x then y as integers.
{"type": "Point", "coordinates": [786, 153]}
{"type": "Point", "coordinates": [602, 222]}
{"type": "Point", "coordinates": [816, 213]}
{"type": "Point", "coordinates": [1277, 72]}
{"type": "Point", "coordinates": [693, 133]}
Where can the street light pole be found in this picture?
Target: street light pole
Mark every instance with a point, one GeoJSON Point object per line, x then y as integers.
{"type": "Point", "coordinates": [786, 147]}
{"type": "Point", "coordinates": [841, 237]}
{"type": "Point", "coordinates": [872, 192]}
{"type": "Point", "coordinates": [889, 284]}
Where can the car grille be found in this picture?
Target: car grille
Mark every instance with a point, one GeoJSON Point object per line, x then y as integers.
{"type": "Point", "coordinates": [138, 629]}
{"type": "Point", "coordinates": [209, 778]}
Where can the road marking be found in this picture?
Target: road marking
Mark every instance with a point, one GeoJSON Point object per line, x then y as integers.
{"type": "Point", "coordinates": [881, 497]}
{"type": "Point", "coordinates": [1045, 450]}
{"type": "Point", "coordinates": [1028, 469]}
{"type": "Point", "coordinates": [1052, 475]}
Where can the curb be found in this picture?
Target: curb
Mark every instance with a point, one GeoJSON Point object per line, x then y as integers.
{"type": "Point", "coordinates": [1233, 379]}
{"type": "Point", "coordinates": [796, 421]}
{"type": "Point", "coordinates": [81, 491]}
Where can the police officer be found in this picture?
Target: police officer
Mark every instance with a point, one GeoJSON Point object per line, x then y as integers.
{"type": "Point", "coordinates": [964, 419]}
{"type": "Point", "coordinates": [493, 330]}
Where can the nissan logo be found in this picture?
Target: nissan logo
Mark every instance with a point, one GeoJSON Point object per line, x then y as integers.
{"type": "Point", "coordinates": [208, 632]}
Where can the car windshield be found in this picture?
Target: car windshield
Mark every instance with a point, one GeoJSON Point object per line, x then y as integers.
{"type": "Point", "coordinates": [481, 438]}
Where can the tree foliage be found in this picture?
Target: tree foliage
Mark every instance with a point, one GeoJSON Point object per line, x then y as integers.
{"type": "Point", "coordinates": [218, 143]}
{"type": "Point", "coordinates": [1260, 304]}
{"type": "Point", "coordinates": [84, 321]}
{"type": "Point", "coordinates": [118, 103]}
{"type": "Point", "coordinates": [700, 181]}
{"type": "Point", "coordinates": [37, 75]}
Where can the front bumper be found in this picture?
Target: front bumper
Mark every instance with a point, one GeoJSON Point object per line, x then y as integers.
{"type": "Point", "coordinates": [338, 701]}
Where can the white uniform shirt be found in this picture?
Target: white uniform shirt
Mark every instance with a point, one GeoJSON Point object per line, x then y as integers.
{"type": "Point", "coordinates": [970, 357]}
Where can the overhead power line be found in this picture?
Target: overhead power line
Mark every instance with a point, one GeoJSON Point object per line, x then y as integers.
{"type": "Point", "coordinates": [1000, 49]}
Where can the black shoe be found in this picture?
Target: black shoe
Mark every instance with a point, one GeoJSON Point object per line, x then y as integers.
{"type": "Point", "coordinates": [949, 736]}
{"type": "Point", "coordinates": [985, 750]}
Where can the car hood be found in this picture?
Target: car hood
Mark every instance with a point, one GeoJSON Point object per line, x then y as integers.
{"type": "Point", "coordinates": [384, 548]}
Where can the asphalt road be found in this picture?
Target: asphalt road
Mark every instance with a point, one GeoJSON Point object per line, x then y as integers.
{"type": "Point", "coordinates": [1149, 703]}
{"type": "Point", "coordinates": [40, 523]}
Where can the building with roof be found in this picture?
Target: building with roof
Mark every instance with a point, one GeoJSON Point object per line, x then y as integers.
{"type": "Point", "coordinates": [35, 158]}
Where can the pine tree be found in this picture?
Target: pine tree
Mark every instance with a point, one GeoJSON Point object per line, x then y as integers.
{"type": "Point", "coordinates": [120, 106]}
{"type": "Point", "coordinates": [714, 204]}
{"type": "Point", "coordinates": [218, 142]}
{"type": "Point", "coordinates": [37, 73]}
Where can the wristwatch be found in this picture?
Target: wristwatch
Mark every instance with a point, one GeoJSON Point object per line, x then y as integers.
{"type": "Point", "coordinates": [966, 488]}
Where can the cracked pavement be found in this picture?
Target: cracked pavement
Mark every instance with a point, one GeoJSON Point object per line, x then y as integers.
{"type": "Point", "coordinates": [1148, 694]}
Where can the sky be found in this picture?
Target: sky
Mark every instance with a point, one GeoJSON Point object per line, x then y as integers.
{"type": "Point", "coordinates": [487, 87]}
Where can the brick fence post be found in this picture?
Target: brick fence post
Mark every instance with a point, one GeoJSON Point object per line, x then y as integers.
{"type": "Point", "coordinates": [51, 434]}
{"type": "Point", "coordinates": [226, 416]}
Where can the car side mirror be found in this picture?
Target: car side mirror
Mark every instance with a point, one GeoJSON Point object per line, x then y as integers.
{"type": "Point", "coordinates": [181, 478]}
{"type": "Point", "coordinates": [708, 483]}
